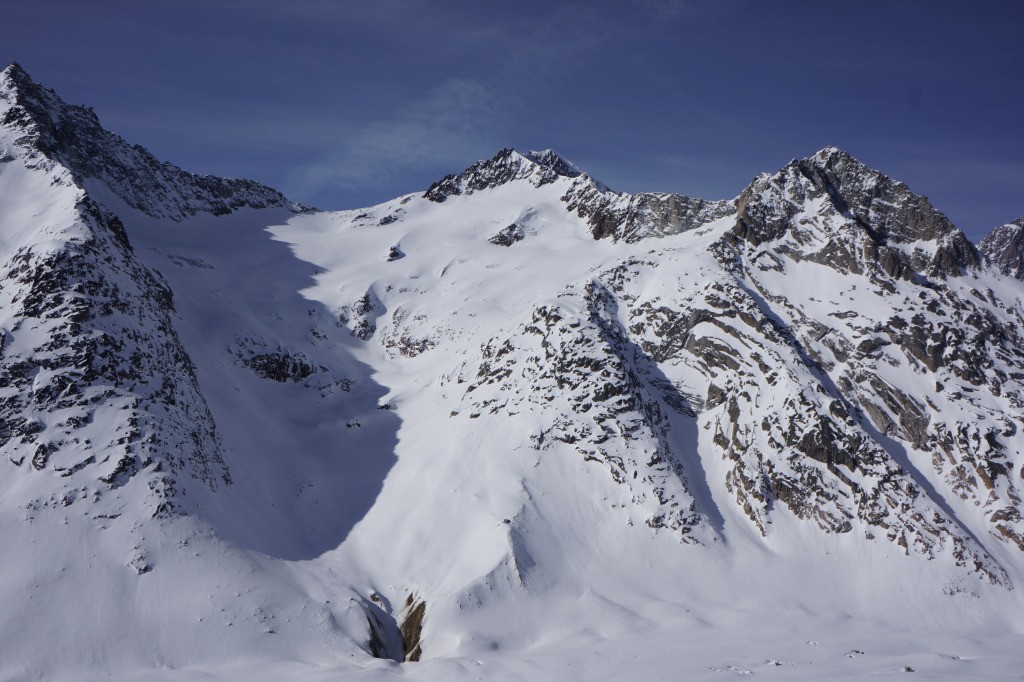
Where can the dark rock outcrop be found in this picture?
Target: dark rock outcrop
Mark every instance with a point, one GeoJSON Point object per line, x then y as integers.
{"type": "Point", "coordinates": [1004, 248]}
{"type": "Point", "coordinates": [630, 218]}
{"type": "Point", "coordinates": [613, 215]}
{"type": "Point", "coordinates": [93, 336]}
{"type": "Point", "coordinates": [509, 235]}
{"type": "Point", "coordinates": [861, 217]}
{"type": "Point", "coordinates": [539, 168]}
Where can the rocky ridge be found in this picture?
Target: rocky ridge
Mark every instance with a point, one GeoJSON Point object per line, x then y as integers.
{"type": "Point", "coordinates": [50, 131]}
{"type": "Point", "coordinates": [617, 417]}
{"type": "Point", "coordinates": [88, 332]}
{"type": "Point", "coordinates": [614, 215]}
{"type": "Point", "coordinates": [803, 407]}
{"type": "Point", "coordinates": [1004, 247]}
{"type": "Point", "coordinates": [874, 219]}
{"type": "Point", "coordinates": [921, 271]}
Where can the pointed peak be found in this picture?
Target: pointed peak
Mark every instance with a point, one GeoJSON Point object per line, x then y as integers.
{"type": "Point", "coordinates": [549, 158]}
{"type": "Point", "coordinates": [14, 79]}
{"type": "Point", "coordinates": [861, 200]}
{"type": "Point", "coordinates": [835, 158]}
{"type": "Point", "coordinates": [40, 106]}
{"type": "Point", "coordinates": [829, 166]}
{"type": "Point", "coordinates": [838, 166]}
{"type": "Point", "coordinates": [538, 168]}
{"type": "Point", "coordinates": [1004, 248]}
{"type": "Point", "coordinates": [828, 163]}
{"type": "Point", "coordinates": [14, 70]}
{"type": "Point", "coordinates": [37, 121]}
{"type": "Point", "coordinates": [1012, 226]}
{"type": "Point", "coordinates": [826, 153]}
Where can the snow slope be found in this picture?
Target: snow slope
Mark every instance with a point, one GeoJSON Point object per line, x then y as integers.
{"type": "Point", "coordinates": [521, 426]}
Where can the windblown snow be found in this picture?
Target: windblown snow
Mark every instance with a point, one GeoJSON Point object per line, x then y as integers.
{"type": "Point", "coordinates": [520, 426]}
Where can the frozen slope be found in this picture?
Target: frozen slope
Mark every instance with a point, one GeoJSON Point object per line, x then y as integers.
{"type": "Point", "coordinates": [534, 427]}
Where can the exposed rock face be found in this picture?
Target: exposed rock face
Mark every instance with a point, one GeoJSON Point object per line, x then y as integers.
{"type": "Point", "coordinates": [872, 223]}
{"type": "Point", "coordinates": [412, 628]}
{"type": "Point", "coordinates": [1004, 248]}
{"type": "Point", "coordinates": [788, 432]}
{"type": "Point", "coordinates": [549, 158]}
{"type": "Point", "coordinates": [631, 218]}
{"type": "Point", "coordinates": [51, 131]}
{"type": "Point", "coordinates": [276, 365]}
{"type": "Point", "coordinates": [804, 402]}
{"type": "Point", "coordinates": [613, 215]}
{"type": "Point", "coordinates": [508, 235]}
{"type": "Point", "coordinates": [833, 212]}
{"type": "Point", "coordinates": [88, 340]}
{"type": "Point", "coordinates": [508, 165]}
{"type": "Point", "coordinates": [361, 317]}
{"type": "Point", "coordinates": [599, 395]}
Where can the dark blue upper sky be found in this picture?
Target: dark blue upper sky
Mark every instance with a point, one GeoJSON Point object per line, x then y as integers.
{"type": "Point", "coordinates": [345, 104]}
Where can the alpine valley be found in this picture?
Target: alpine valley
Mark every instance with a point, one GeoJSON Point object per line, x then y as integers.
{"type": "Point", "coordinates": [518, 426]}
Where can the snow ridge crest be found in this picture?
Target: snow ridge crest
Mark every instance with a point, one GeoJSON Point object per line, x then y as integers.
{"type": "Point", "coordinates": [508, 165]}
{"type": "Point", "coordinates": [46, 130]}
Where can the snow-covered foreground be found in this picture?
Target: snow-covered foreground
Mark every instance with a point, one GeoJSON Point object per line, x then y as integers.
{"type": "Point", "coordinates": [779, 436]}
{"type": "Point", "coordinates": [820, 650]}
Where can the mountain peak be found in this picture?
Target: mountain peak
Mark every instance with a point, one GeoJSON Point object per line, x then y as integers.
{"type": "Point", "coordinates": [43, 121]}
{"type": "Point", "coordinates": [549, 158]}
{"type": "Point", "coordinates": [1004, 248]}
{"type": "Point", "coordinates": [852, 202]}
{"type": "Point", "coordinates": [538, 167]}
{"type": "Point", "coordinates": [15, 74]}
{"type": "Point", "coordinates": [834, 154]}
{"type": "Point", "coordinates": [34, 99]}
{"type": "Point", "coordinates": [828, 159]}
{"type": "Point", "coordinates": [35, 120]}
{"type": "Point", "coordinates": [835, 160]}
{"type": "Point", "coordinates": [15, 77]}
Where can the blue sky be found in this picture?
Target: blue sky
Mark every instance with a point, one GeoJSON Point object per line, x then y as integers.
{"type": "Point", "coordinates": [345, 104]}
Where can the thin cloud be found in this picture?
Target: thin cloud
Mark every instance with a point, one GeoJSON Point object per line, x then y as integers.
{"type": "Point", "coordinates": [674, 9]}
{"type": "Point", "coordinates": [446, 126]}
{"type": "Point", "coordinates": [461, 118]}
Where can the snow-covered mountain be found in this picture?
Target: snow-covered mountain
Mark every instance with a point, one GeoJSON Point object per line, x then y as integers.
{"type": "Point", "coordinates": [518, 425]}
{"type": "Point", "coordinates": [1004, 247]}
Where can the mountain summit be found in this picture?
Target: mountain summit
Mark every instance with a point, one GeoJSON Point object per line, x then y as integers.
{"type": "Point", "coordinates": [516, 425]}
{"type": "Point", "coordinates": [508, 165]}
{"type": "Point", "coordinates": [1004, 246]}
{"type": "Point", "coordinates": [40, 123]}
{"type": "Point", "coordinates": [861, 218]}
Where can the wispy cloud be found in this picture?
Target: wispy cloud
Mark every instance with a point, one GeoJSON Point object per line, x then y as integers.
{"type": "Point", "coordinates": [674, 9]}
{"type": "Point", "coordinates": [462, 117]}
{"type": "Point", "coordinates": [445, 126]}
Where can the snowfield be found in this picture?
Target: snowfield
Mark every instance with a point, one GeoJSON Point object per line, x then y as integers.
{"type": "Point", "coordinates": [517, 427]}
